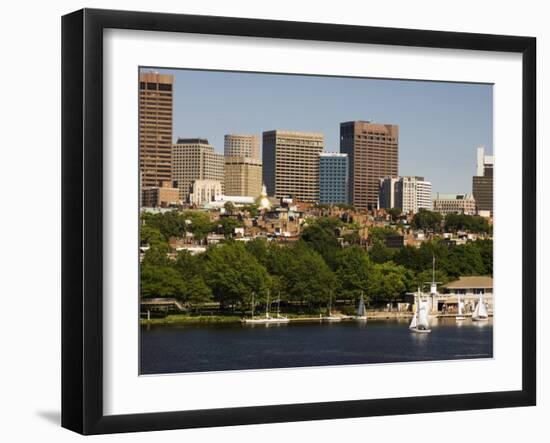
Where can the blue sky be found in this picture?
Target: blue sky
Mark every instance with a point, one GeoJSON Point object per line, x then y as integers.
{"type": "Point", "coordinates": [440, 123]}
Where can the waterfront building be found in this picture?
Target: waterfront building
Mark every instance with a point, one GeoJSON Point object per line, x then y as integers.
{"type": "Point", "coordinates": [162, 196]}
{"type": "Point", "coordinates": [204, 191]}
{"type": "Point", "coordinates": [291, 164]}
{"type": "Point", "coordinates": [195, 159]}
{"type": "Point", "coordinates": [482, 183]}
{"type": "Point", "coordinates": [373, 154]}
{"type": "Point", "coordinates": [155, 128]}
{"type": "Point", "coordinates": [240, 145]}
{"type": "Point", "coordinates": [409, 193]}
{"type": "Point", "coordinates": [333, 178]}
{"type": "Point", "coordinates": [454, 204]}
{"type": "Point", "coordinates": [469, 289]}
{"type": "Point", "coordinates": [243, 176]}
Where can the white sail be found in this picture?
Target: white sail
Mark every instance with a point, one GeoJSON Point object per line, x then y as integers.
{"type": "Point", "coordinates": [422, 322]}
{"type": "Point", "coordinates": [482, 312]}
{"type": "Point", "coordinates": [476, 310]}
{"type": "Point", "coordinates": [413, 322]}
{"type": "Point", "coordinates": [361, 307]}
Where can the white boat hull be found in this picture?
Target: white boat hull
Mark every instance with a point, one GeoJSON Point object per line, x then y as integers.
{"type": "Point", "coordinates": [421, 331]}
{"type": "Point", "coordinates": [262, 321]}
{"type": "Point", "coordinates": [480, 318]}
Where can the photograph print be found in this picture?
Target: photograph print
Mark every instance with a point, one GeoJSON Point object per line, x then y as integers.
{"type": "Point", "coordinates": [292, 221]}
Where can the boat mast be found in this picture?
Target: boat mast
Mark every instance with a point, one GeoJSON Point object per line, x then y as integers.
{"type": "Point", "coordinates": [267, 305]}
{"type": "Point", "coordinates": [433, 268]}
{"type": "Point", "coordinates": [252, 304]}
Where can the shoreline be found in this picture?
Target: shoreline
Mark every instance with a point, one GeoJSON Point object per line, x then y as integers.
{"type": "Point", "coordinates": [218, 319]}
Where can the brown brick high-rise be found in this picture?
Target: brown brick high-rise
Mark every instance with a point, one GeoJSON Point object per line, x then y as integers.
{"type": "Point", "coordinates": [291, 164]}
{"type": "Point", "coordinates": [373, 154]}
{"type": "Point", "coordinates": [155, 128]}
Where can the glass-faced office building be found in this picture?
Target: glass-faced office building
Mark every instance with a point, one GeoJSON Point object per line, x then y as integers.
{"type": "Point", "coordinates": [333, 178]}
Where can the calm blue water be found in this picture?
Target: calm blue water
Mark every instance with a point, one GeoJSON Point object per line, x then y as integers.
{"type": "Point", "coordinates": [186, 348]}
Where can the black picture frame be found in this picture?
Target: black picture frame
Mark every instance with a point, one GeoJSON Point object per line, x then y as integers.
{"type": "Point", "coordinates": [82, 216]}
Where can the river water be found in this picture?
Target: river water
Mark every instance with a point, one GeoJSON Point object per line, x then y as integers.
{"type": "Point", "coordinates": [221, 347]}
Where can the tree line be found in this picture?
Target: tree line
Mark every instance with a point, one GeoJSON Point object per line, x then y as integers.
{"type": "Point", "coordinates": [435, 222]}
{"type": "Point", "coordinates": [309, 273]}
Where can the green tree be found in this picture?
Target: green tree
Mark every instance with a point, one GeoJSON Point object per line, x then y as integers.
{"type": "Point", "coordinates": [258, 247]}
{"type": "Point", "coordinates": [422, 279]}
{"type": "Point", "coordinates": [150, 235]}
{"type": "Point", "coordinates": [196, 291]}
{"type": "Point", "coordinates": [229, 207]}
{"type": "Point", "coordinates": [198, 223]}
{"type": "Point", "coordinates": [352, 238]}
{"type": "Point", "coordinates": [485, 248]}
{"type": "Point", "coordinates": [227, 226]}
{"type": "Point", "coordinates": [427, 220]}
{"type": "Point", "coordinates": [388, 282]}
{"type": "Point", "coordinates": [188, 265]}
{"type": "Point", "coordinates": [469, 223]}
{"type": "Point", "coordinates": [160, 281]}
{"type": "Point", "coordinates": [354, 269]}
{"type": "Point", "coordinates": [156, 255]}
{"type": "Point", "coordinates": [380, 234]}
{"type": "Point", "coordinates": [464, 260]}
{"type": "Point", "coordinates": [306, 276]}
{"type": "Point", "coordinates": [394, 213]}
{"type": "Point", "coordinates": [379, 253]}
{"type": "Point", "coordinates": [234, 275]}
{"type": "Point", "coordinates": [320, 236]}
{"type": "Point", "coordinates": [169, 224]}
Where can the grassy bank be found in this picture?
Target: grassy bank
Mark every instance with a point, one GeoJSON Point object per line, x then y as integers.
{"type": "Point", "coordinates": [183, 318]}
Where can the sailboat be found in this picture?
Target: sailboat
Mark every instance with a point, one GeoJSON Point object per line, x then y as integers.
{"type": "Point", "coordinates": [331, 317]}
{"type": "Point", "coordinates": [433, 286]}
{"type": "Point", "coordinates": [460, 316]}
{"type": "Point", "coordinates": [419, 322]}
{"type": "Point", "coordinates": [281, 318]}
{"type": "Point", "coordinates": [267, 319]}
{"type": "Point", "coordinates": [480, 312]}
{"type": "Point", "coordinates": [361, 311]}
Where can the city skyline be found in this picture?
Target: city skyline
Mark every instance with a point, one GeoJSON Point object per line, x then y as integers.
{"type": "Point", "coordinates": [441, 123]}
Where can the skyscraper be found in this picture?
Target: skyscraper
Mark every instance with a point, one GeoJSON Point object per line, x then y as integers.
{"type": "Point", "coordinates": [195, 159]}
{"type": "Point", "coordinates": [413, 194]}
{"type": "Point", "coordinates": [410, 194]}
{"type": "Point", "coordinates": [291, 164]}
{"type": "Point", "coordinates": [386, 193]}
{"type": "Point", "coordinates": [333, 178]}
{"type": "Point", "coordinates": [482, 183]}
{"type": "Point", "coordinates": [238, 145]}
{"type": "Point", "coordinates": [373, 154]}
{"type": "Point", "coordinates": [243, 176]}
{"type": "Point", "coordinates": [155, 128]}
